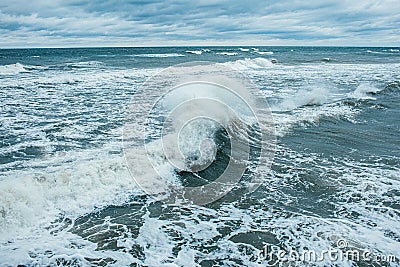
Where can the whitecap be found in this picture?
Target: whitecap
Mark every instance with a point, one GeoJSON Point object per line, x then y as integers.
{"type": "Point", "coordinates": [160, 55]}
{"type": "Point", "coordinates": [29, 199]}
{"type": "Point", "coordinates": [245, 64]}
{"type": "Point", "coordinates": [196, 52]}
{"type": "Point", "coordinates": [264, 52]}
{"type": "Point", "coordinates": [364, 91]}
{"type": "Point", "coordinates": [305, 97]}
{"type": "Point", "coordinates": [12, 69]}
{"type": "Point", "coordinates": [83, 64]}
{"type": "Point", "coordinates": [227, 53]}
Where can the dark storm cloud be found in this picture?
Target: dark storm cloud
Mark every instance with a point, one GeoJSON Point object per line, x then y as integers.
{"type": "Point", "coordinates": [174, 22]}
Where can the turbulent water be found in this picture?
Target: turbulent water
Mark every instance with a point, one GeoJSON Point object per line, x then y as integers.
{"type": "Point", "coordinates": [67, 197]}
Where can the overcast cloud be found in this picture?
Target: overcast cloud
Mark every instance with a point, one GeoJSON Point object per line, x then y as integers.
{"type": "Point", "coordinates": [62, 23]}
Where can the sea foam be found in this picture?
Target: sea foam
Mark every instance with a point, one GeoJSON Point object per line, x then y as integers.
{"type": "Point", "coordinates": [12, 69]}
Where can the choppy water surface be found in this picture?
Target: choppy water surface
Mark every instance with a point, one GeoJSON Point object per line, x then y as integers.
{"type": "Point", "coordinates": [68, 198]}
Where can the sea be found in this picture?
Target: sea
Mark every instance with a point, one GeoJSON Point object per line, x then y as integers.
{"type": "Point", "coordinates": [69, 198]}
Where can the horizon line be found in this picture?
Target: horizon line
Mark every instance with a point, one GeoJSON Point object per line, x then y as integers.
{"type": "Point", "coordinates": [181, 46]}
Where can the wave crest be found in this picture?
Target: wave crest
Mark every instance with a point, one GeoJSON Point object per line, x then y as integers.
{"type": "Point", "coordinates": [12, 69]}
{"type": "Point", "coordinates": [364, 91]}
{"type": "Point", "coordinates": [248, 64]}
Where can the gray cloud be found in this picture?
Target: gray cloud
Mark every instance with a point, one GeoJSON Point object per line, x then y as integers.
{"type": "Point", "coordinates": [46, 23]}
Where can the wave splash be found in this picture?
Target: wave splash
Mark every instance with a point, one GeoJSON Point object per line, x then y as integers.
{"type": "Point", "coordinates": [305, 97]}
{"type": "Point", "coordinates": [194, 143]}
{"type": "Point", "coordinates": [13, 69]}
{"type": "Point", "coordinates": [250, 64]}
{"type": "Point", "coordinates": [29, 199]}
{"type": "Point", "coordinates": [364, 91]}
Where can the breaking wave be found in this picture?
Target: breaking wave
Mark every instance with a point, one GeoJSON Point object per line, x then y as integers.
{"type": "Point", "coordinates": [160, 55]}
{"type": "Point", "coordinates": [13, 69]}
{"type": "Point", "coordinates": [248, 64]}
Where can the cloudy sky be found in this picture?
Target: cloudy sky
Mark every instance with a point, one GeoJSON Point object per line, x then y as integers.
{"type": "Point", "coordinates": [63, 23]}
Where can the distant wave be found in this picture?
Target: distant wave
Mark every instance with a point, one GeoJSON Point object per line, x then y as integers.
{"type": "Point", "coordinates": [310, 104]}
{"type": "Point", "coordinates": [255, 63]}
{"type": "Point", "coordinates": [160, 55]}
{"type": "Point", "coordinates": [13, 69]}
{"type": "Point", "coordinates": [85, 64]}
{"type": "Point", "coordinates": [375, 52]}
{"type": "Point", "coordinates": [257, 51]}
{"type": "Point", "coordinates": [198, 52]}
{"type": "Point", "coordinates": [227, 53]}
{"type": "Point", "coordinates": [244, 49]}
{"type": "Point", "coordinates": [391, 87]}
{"type": "Point", "coordinates": [385, 51]}
{"type": "Point", "coordinates": [264, 52]}
{"type": "Point", "coordinates": [320, 95]}
{"type": "Point", "coordinates": [305, 97]}
{"type": "Point", "coordinates": [364, 91]}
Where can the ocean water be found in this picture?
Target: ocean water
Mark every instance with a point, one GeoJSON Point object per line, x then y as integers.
{"type": "Point", "coordinates": [67, 197]}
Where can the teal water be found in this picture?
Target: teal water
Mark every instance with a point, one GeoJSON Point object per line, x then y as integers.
{"type": "Point", "coordinates": [68, 198]}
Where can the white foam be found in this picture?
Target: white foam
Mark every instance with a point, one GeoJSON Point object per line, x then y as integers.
{"type": "Point", "coordinates": [12, 69]}
{"type": "Point", "coordinates": [88, 64]}
{"type": "Point", "coordinates": [155, 240]}
{"type": "Point", "coordinates": [43, 248]}
{"type": "Point", "coordinates": [160, 55]}
{"type": "Point", "coordinates": [227, 53]}
{"type": "Point", "coordinates": [298, 231]}
{"type": "Point", "coordinates": [378, 52]}
{"type": "Point", "coordinates": [196, 52]}
{"type": "Point", "coordinates": [308, 105]}
{"type": "Point", "coordinates": [294, 230]}
{"type": "Point", "coordinates": [94, 77]}
{"type": "Point", "coordinates": [264, 52]}
{"type": "Point", "coordinates": [62, 185]}
{"type": "Point", "coordinates": [29, 199]}
{"type": "Point", "coordinates": [317, 95]}
{"type": "Point", "coordinates": [364, 91]}
{"type": "Point", "coordinates": [191, 92]}
{"type": "Point", "coordinates": [284, 122]}
{"type": "Point", "coordinates": [244, 49]}
{"type": "Point", "coordinates": [187, 141]}
{"type": "Point", "coordinates": [248, 64]}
